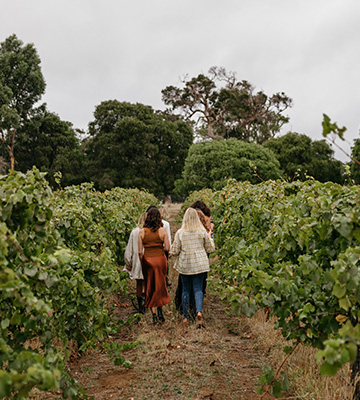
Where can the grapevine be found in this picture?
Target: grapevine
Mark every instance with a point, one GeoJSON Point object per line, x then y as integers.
{"type": "Point", "coordinates": [60, 254]}
{"type": "Point", "coordinates": [294, 249]}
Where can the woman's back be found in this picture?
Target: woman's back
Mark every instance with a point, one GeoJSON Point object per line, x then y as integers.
{"type": "Point", "coordinates": [193, 241]}
{"type": "Point", "coordinates": [153, 244]}
{"type": "Point", "coordinates": [191, 247]}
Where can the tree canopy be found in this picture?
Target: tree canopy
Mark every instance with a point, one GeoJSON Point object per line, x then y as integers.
{"type": "Point", "coordinates": [222, 107]}
{"type": "Point", "coordinates": [300, 156]}
{"type": "Point", "coordinates": [21, 86]}
{"type": "Point", "coordinates": [354, 166]}
{"type": "Point", "coordinates": [131, 145]}
{"type": "Point", "coordinates": [210, 164]}
{"type": "Point", "coordinates": [51, 145]}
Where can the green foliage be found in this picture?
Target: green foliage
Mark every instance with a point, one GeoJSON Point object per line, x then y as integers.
{"type": "Point", "coordinates": [293, 248]}
{"type": "Point", "coordinates": [21, 80]}
{"type": "Point", "coordinates": [98, 222]}
{"type": "Point", "coordinates": [300, 157]}
{"type": "Point", "coordinates": [332, 128]}
{"type": "Point", "coordinates": [133, 146]}
{"type": "Point", "coordinates": [267, 379]}
{"type": "Point", "coordinates": [115, 349]}
{"type": "Point", "coordinates": [210, 164]}
{"type": "Point", "coordinates": [21, 86]}
{"type": "Point", "coordinates": [354, 164]}
{"type": "Point", "coordinates": [59, 256]}
{"type": "Point", "coordinates": [50, 144]}
{"type": "Point", "coordinates": [225, 108]}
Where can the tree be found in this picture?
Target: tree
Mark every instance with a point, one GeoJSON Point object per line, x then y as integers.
{"type": "Point", "coordinates": [222, 107]}
{"type": "Point", "coordinates": [131, 145]}
{"type": "Point", "coordinates": [210, 164]}
{"type": "Point", "coordinates": [21, 86]}
{"type": "Point", "coordinates": [3, 166]}
{"type": "Point", "coordinates": [354, 166]}
{"type": "Point", "coordinates": [51, 145]}
{"type": "Point", "coordinates": [300, 156]}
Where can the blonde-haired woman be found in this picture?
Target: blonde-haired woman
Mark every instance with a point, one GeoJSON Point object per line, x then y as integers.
{"type": "Point", "coordinates": [191, 244]}
{"type": "Point", "coordinates": [133, 263]}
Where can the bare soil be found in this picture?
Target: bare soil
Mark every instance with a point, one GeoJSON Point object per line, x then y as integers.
{"type": "Point", "coordinates": [172, 361]}
{"type": "Point", "coordinates": [221, 361]}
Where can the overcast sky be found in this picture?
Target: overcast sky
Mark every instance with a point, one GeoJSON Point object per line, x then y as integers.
{"type": "Point", "coordinates": [97, 50]}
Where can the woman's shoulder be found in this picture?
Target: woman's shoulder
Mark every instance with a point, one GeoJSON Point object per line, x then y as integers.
{"type": "Point", "coordinates": [142, 231]}
{"type": "Point", "coordinates": [162, 230]}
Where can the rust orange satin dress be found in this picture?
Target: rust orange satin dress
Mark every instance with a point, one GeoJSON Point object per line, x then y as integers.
{"type": "Point", "coordinates": [154, 266]}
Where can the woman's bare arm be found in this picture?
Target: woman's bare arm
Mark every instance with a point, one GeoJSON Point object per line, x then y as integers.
{"type": "Point", "coordinates": [140, 244]}
{"type": "Point", "coordinates": [165, 238]}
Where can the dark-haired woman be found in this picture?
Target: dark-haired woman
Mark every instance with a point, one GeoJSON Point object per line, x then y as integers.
{"type": "Point", "coordinates": [154, 240]}
{"type": "Point", "coordinates": [200, 205]}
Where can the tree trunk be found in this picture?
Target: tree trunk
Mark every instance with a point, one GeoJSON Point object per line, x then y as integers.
{"type": "Point", "coordinates": [355, 376]}
{"type": "Point", "coordinates": [11, 149]}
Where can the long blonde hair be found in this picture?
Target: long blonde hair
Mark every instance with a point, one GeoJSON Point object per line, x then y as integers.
{"type": "Point", "coordinates": [142, 219]}
{"type": "Point", "coordinates": [202, 218]}
{"type": "Point", "coordinates": [191, 221]}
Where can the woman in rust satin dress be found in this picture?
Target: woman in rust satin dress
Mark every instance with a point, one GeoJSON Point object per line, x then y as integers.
{"type": "Point", "coordinates": [154, 239]}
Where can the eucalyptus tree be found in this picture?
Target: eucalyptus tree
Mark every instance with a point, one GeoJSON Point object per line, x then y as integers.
{"type": "Point", "coordinates": [222, 107]}
{"type": "Point", "coordinates": [21, 86]}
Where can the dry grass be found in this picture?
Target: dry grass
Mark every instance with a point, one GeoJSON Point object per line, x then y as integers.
{"type": "Point", "coordinates": [302, 368]}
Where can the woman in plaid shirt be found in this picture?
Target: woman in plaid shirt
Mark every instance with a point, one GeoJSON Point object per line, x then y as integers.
{"type": "Point", "coordinates": [191, 245]}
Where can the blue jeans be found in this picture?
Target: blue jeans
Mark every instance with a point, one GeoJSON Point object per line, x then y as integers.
{"type": "Point", "coordinates": [192, 283]}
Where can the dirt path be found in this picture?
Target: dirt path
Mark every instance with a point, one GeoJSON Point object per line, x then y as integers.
{"type": "Point", "coordinates": [219, 362]}
{"type": "Point", "coordinates": [222, 361]}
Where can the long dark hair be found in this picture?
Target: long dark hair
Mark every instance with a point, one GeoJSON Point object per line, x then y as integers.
{"type": "Point", "coordinates": [153, 219]}
{"type": "Point", "coordinates": [201, 206]}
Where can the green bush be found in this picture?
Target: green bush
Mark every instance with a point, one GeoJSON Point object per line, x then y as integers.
{"type": "Point", "coordinates": [211, 164]}
{"type": "Point", "coordinates": [293, 248]}
{"type": "Point", "coordinates": [59, 255]}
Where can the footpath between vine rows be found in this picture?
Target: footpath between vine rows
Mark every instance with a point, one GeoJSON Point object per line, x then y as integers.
{"type": "Point", "coordinates": [222, 361]}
